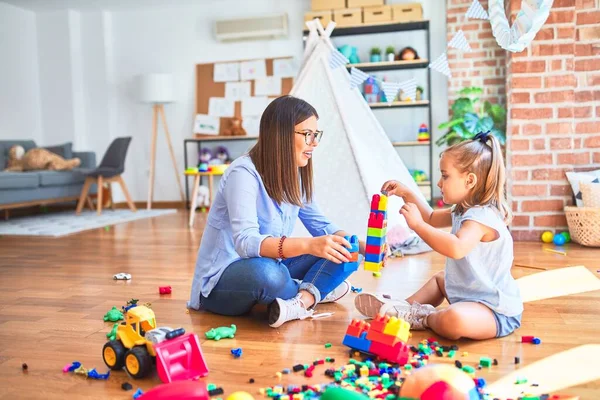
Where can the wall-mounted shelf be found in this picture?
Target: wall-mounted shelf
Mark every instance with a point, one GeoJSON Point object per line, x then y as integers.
{"type": "Point", "coordinates": [384, 27]}
{"type": "Point", "coordinates": [410, 144]}
{"type": "Point", "coordinates": [395, 104]}
{"type": "Point", "coordinates": [390, 65]}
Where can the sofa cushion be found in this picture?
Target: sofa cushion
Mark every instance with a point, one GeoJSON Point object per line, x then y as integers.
{"type": "Point", "coordinates": [5, 146]}
{"type": "Point", "coordinates": [19, 180]}
{"type": "Point", "coordinates": [63, 150]}
{"type": "Point", "coordinates": [61, 178]}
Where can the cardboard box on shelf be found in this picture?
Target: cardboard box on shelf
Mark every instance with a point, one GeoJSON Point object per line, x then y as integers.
{"type": "Point", "coordinates": [377, 14]}
{"type": "Point", "coordinates": [407, 12]}
{"type": "Point", "coordinates": [365, 3]}
{"type": "Point", "coordinates": [325, 16]}
{"type": "Point", "coordinates": [327, 5]}
{"type": "Point", "coordinates": [348, 17]}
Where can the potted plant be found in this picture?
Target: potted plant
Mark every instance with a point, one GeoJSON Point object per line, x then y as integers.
{"type": "Point", "coordinates": [469, 118]}
{"type": "Point", "coordinates": [420, 91]}
{"type": "Point", "coordinates": [375, 54]}
{"type": "Point", "coordinates": [390, 53]}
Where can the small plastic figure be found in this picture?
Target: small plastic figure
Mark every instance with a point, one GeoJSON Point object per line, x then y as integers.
{"type": "Point", "coordinates": [113, 315]}
{"type": "Point", "coordinates": [112, 335]}
{"type": "Point", "coordinates": [164, 289]}
{"type": "Point", "coordinates": [222, 332]}
{"type": "Point", "coordinates": [122, 276]}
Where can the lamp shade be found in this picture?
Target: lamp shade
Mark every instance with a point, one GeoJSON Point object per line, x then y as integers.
{"type": "Point", "coordinates": [156, 88]}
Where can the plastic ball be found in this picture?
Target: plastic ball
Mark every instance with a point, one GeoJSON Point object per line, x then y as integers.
{"type": "Point", "coordinates": [567, 236]}
{"type": "Point", "coordinates": [547, 237]}
{"type": "Point", "coordinates": [559, 240]}
{"type": "Point", "coordinates": [440, 203]}
{"type": "Point", "coordinates": [240, 396]}
{"type": "Point", "coordinates": [439, 381]}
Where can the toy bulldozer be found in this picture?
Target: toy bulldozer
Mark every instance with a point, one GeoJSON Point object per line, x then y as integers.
{"type": "Point", "coordinates": [139, 344]}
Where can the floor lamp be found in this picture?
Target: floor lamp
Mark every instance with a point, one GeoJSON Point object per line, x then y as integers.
{"type": "Point", "coordinates": [157, 89]}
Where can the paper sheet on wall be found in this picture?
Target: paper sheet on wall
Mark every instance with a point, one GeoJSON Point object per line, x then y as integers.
{"type": "Point", "coordinates": [252, 125]}
{"type": "Point", "coordinates": [254, 106]}
{"type": "Point", "coordinates": [206, 124]}
{"type": "Point", "coordinates": [255, 69]}
{"type": "Point", "coordinates": [221, 107]}
{"type": "Point", "coordinates": [237, 90]}
{"type": "Point", "coordinates": [268, 86]}
{"type": "Point", "coordinates": [284, 68]}
{"type": "Point", "coordinates": [226, 72]}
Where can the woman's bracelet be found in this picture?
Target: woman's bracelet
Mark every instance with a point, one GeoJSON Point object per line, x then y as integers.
{"type": "Point", "coordinates": [280, 250]}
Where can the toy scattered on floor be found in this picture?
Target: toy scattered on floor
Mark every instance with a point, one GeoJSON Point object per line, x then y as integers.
{"type": "Point", "coordinates": [130, 304]}
{"type": "Point", "coordinates": [530, 339]}
{"type": "Point", "coordinates": [215, 392]}
{"type": "Point", "coordinates": [237, 352]}
{"type": "Point", "coordinates": [79, 369]}
{"type": "Point", "coordinates": [113, 315]}
{"type": "Point", "coordinates": [376, 231]}
{"type": "Point", "coordinates": [137, 394]}
{"type": "Point", "coordinates": [240, 396]}
{"type": "Point", "coordinates": [112, 335]}
{"type": "Point", "coordinates": [181, 390]}
{"type": "Point", "coordinates": [178, 356]}
{"type": "Point", "coordinates": [439, 381]}
{"type": "Point", "coordinates": [356, 289]}
{"type": "Point", "coordinates": [352, 265]}
{"type": "Point", "coordinates": [377, 274]}
{"type": "Point", "coordinates": [223, 332]}
{"type": "Point", "coordinates": [164, 289]}
{"type": "Point", "coordinates": [126, 386]}
{"type": "Point", "coordinates": [327, 345]}
{"type": "Point", "coordinates": [423, 135]}
{"type": "Point", "coordinates": [24, 367]}
{"type": "Point", "coordinates": [559, 239]}
{"type": "Point", "coordinates": [562, 253]}
{"type": "Point", "coordinates": [384, 337]}
{"type": "Point", "coordinates": [336, 393]}
{"type": "Point", "coordinates": [122, 276]}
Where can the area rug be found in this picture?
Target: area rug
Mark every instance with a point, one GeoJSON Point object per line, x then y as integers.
{"type": "Point", "coordinates": [67, 223]}
{"type": "Point", "coordinates": [557, 283]}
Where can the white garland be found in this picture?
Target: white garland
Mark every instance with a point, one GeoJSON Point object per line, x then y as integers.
{"type": "Point", "coordinates": [529, 21]}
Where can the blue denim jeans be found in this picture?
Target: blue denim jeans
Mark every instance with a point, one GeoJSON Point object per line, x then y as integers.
{"type": "Point", "coordinates": [252, 281]}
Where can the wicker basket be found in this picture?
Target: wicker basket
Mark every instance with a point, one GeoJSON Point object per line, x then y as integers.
{"type": "Point", "coordinates": [584, 225]}
{"type": "Point", "coordinates": [590, 194]}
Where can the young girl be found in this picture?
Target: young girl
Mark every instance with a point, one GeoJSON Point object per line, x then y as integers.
{"type": "Point", "coordinates": [484, 298]}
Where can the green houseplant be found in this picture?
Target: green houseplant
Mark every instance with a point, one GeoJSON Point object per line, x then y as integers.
{"type": "Point", "coordinates": [390, 53]}
{"type": "Point", "coordinates": [469, 118]}
{"type": "Point", "coordinates": [375, 54]}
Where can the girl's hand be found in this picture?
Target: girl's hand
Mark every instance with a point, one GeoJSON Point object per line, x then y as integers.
{"type": "Point", "coordinates": [411, 212]}
{"type": "Point", "coordinates": [395, 188]}
{"type": "Point", "coordinates": [331, 247]}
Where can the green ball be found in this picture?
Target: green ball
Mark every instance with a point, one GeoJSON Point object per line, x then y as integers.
{"type": "Point", "coordinates": [547, 237]}
{"type": "Point", "coordinates": [567, 236]}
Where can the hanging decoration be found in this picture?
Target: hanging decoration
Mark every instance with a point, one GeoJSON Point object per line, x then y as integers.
{"type": "Point", "coordinates": [391, 91]}
{"type": "Point", "coordinates": [409, 88]}
{"type": "Point", "coordinates": [476, 11]}
{"type": "Point", "coordinates": [357, 77]}
{"type": "Point", "coordinates": [441, 65]}
{"type": "Point", "coordinates": [337, 59]}
{"type": "Point", "coordinates": [459, 41]}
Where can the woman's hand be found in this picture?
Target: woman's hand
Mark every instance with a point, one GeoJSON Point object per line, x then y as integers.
{"type": "Point", "coordinates": [331, 247]}
{"type": "Point", "coordinates": [411, 212]}
{"type": "Point", "coordinates": [395, 188]}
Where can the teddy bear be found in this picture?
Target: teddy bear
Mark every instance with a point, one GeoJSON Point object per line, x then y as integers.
{"type": "Point", "coordinates": [235, 129]}
{"type": "Point", "coordinates": [37, 159]}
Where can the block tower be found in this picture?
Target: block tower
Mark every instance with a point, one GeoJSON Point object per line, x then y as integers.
{"type": "Point", "coordinates": [376, 231]}
{"type": "Point", "coordinates": [384, 337]}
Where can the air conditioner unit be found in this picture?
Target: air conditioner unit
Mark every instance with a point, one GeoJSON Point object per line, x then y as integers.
{"type": "Point", "coordinates": [257, 28]}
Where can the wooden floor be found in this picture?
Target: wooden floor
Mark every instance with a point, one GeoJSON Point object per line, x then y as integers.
{"type": "Point", "coordinates": [54, 293]}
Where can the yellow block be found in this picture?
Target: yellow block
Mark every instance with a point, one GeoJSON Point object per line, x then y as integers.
{"type": "Point", "coordinates": [397, 327]}
{"type": "Point", "coordinates": [371, 266]}
{"type": "Point", "coordinates": [383, 202]}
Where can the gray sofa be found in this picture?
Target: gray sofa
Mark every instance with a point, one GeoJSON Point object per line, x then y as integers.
{"type": "Point", "coordinates": [20, 189]}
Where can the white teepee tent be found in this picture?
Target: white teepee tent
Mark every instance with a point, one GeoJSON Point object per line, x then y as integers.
{"type": "Point", "coordinates": [355, 156]}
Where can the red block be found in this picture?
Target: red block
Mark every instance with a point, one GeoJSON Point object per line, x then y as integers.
{"type": "Point", "coordinates": [375, 202]}
{"type": "Point", "coordinates": [376, 220]}
{"type": "Point", "coordinates": [381, 338]}
{"type": "Point", "coordinates": [379, 322]}
{"type": "Point", "coordinates": [526, 339]}
{"type": "Point", "coordinates": [357, 327]}
{"type": "Point", "coordinates": [372, 249]}
{"type": "Point", "coordinates": [164, 289]}
{"type": "Point", "coordinates": [397, 354]}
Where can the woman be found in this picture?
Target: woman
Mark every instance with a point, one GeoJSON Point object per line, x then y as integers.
{"type": "Point", "coordinates": [245, 256]}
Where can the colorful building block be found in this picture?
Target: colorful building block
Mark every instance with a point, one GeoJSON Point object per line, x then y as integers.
{"type": "Point", "coordinates": [353, 240]}
{"type": "Point", "coordinates": [376, 220]}
{"type": "Point", "coordinates": [371, 266]}
{"type": "Point", "coordinates": [399, 328]}
{"type": "Point", "coordinates": [350, 266]}
{"type": "Point", "coordinates": [358, 343]}
{"type": "Point", "coordinates": [375, 241]}
{"type": "Point", "coordinates": [357, 327]}
{"type": "Point", "coordinates": [373, 258]}
{"type": "Point", "coordinates": [379, 323]}
{"type": "Point", "coordinates": [376, 232]}
{"type": "Point", "coordinates": [370, 249]}
{"type": "Point", "coordinates": [379, 337]}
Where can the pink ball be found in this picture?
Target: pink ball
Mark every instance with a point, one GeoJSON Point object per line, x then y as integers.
{"type": "Point", "coordinates": [440, 203]}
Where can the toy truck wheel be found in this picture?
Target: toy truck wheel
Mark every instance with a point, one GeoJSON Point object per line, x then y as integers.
{"type": "Point", "coordinates": [138, 362]}
{"type": "Point", "coordinates": [113, 354]}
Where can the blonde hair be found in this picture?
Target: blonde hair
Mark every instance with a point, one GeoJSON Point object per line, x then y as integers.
{"type": "Point", "coordinates": [482, 157]}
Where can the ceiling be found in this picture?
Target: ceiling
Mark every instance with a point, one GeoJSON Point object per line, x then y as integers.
{"type": "Point", "coordinates": [96, 5]}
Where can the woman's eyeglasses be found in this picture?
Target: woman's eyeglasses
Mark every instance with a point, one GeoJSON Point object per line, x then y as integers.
{"type": "Point", "coordinates": [311, 137]}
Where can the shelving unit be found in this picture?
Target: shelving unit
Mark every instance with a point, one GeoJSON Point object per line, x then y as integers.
{"type": "Point", "coordinates": [398, 27]}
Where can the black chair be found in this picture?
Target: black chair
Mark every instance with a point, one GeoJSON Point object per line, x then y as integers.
{"type": "Point", "coordinates": [109, 170]}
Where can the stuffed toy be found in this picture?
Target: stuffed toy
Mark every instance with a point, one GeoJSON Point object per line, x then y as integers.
{"type": "Point", "coordinates": [38, 159]}
{"type": "Point", "coordinates": [235, 129]}
{"type": "Point", "coordinates": [408, 53]}
{"type": "Point", "coordinates": [223, 155]}
{"type": "Point", "coordinates": [203, 197]}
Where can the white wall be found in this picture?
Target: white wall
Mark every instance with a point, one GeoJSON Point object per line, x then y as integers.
{"type": "Point", "coordinates": [19, 80]}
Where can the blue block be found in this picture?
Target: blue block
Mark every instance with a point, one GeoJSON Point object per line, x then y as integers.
{"type": "Point", "coordinates": [360, 343]}
{"type": "Point", "coordinates": [380, 212]}
{"type": "Point", "coordinates": [375, 241]}
{"type": "Point", "coordinates": [353, 242]}
{"type": "Point", "coordinates": [350, 266]}
{"type": "Point", "coordinates": [374, 258]}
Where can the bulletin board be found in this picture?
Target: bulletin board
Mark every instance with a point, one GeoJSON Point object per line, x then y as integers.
{"type": "Point", "coordinates": [206, 88]}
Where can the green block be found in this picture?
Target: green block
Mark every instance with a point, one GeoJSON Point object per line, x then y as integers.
{"type": "Point", "coordinates": [485, 362]}
{"type": "Point", "coordinates": [521, 381]}
{"type": "Point", "coordinates": [376, 232]}
{"type": "Point", "coordinates": [408, 367]}
{"type": "Point", "coordinates": [211, 386]}
{"type": "Point", "coordinates": [468, 369]}
{"type": "Point", "coordinates": [451, 353]}
{"type": "Point", "coordinates": [327, 345]}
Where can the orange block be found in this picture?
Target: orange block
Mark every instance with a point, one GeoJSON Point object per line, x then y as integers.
{"type": "Point", "coordinates": [379, 322]}
{"type": "Point", "coordinates": [357, 327]}
{"type": "Point", "coordinates": [353, 257]}
{"type": "Point", "coordinates": [382, 338]}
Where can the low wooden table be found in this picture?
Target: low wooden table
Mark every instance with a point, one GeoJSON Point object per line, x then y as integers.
{"type": "Point", "coordinates": [197, 176]}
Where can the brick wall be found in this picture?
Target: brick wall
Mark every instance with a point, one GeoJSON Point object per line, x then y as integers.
{"type": "Point", "coordinates": [553, 102]}
{"type": "Point", "coordinates": [553, 96]}
{"type": "Point", "coordinates": [485, 66]}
